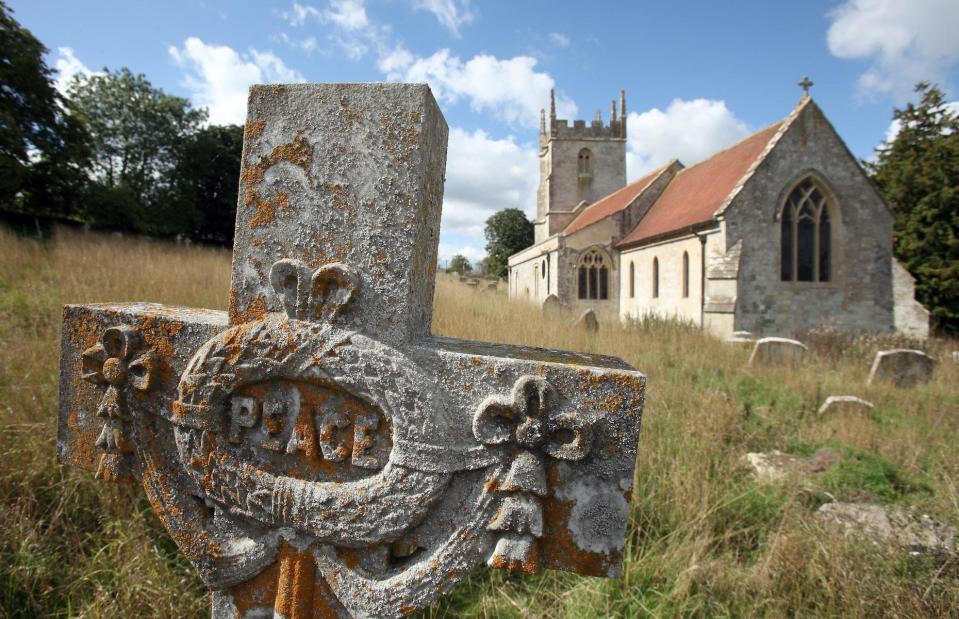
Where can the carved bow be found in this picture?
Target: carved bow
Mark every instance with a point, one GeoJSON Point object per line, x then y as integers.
{"type": "Point", "coordinates": [523, 421]}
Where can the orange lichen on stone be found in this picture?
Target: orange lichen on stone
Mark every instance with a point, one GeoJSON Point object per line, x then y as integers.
{"type": "Point", "coordinates": [254, 311]}
{"type": "Point", "coordinates": [253, 129]}
{"type": "Point", "coordinates": [557, 548]}
{"type": "Point", "coordinates": [265, 214]}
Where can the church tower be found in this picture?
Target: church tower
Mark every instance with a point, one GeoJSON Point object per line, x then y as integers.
{"type": "Point", "coordinates": [577, 164]}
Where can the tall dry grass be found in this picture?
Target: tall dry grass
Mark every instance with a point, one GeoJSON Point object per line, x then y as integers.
{"type": "Point", "coordinates": [704, 539]}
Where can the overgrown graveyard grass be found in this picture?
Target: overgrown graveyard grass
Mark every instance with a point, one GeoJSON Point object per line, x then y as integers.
{"type": "Point", "coordinates": [704, 540]}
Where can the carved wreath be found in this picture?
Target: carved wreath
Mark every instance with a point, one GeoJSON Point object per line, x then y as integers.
{"type": "Point", "coordinates": [523, 421]}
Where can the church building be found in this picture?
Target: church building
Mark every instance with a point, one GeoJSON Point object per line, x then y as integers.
{"type": "Point", "coordinates": [777, 234]}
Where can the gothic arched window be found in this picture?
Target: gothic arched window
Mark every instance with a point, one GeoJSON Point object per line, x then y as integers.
{"type": "Point", "coordinates": [655, 277]}
{"type": "Point", "coordinates": [806, 235]}
{"type": "Point", "coordinates": [685, 274]}
{"type": "Point", "coordinates": [632, 280]}
{"type": "Point", "coordinates": [585, 162]}
{"type": "Point", "coordinates": [592, 271]}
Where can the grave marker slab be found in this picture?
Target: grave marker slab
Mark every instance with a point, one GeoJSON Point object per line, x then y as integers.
{"type": "Point", "coordinates": [316, 452]}
{"type": "Point", "coordinates": [769, 351]}
{"type": "Point", "coordinates": [901, 367]}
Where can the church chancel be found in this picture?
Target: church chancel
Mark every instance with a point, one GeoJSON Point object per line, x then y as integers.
{"type": "Point", "coordinates": [779, 233]}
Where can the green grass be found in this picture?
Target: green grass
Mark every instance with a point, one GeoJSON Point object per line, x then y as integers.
{"type": "Point", "coordinates": [705, 540]}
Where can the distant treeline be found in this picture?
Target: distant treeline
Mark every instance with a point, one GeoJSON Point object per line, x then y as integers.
{"type": "Point", "coordinates": [112, 151]}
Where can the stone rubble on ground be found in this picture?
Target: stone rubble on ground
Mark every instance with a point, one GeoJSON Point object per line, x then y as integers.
{"type": "Point", "coordinates": [316, 451]}
{"type": "Point", "coordinates": [776, 351]}
{"type": "Point", "coordinates": [839, 404]}
{"type": "Point", "coordinates": [904, 528]}
{"type": "Point", "coordinates": [901, 367]}
{"type": "Point", "coordinates": [775, 466]}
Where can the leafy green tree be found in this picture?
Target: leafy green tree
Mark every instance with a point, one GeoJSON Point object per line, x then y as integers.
{"type": "Point", "coordinates": [507, 232]}
{"type": "Point", "coordinates": [918, 174]}
{"type": "Point", "coordinates": [43, 152]}
{"type": "Point", "coordinates": [459, 264]}
{"type": "Point", "coordinates": [203, 194]}
{"type": "Point", "coordinates": [137, 132]}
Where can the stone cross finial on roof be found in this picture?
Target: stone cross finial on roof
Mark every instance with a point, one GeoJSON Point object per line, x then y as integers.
{"type": "Point", "coordinates": [316, 452]}
{"type": "Point", "coordinates": [805, 84]}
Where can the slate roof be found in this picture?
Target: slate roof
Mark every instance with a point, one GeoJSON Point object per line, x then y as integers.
{"type": "Point", "coordinates": [697, 192]}
{"type": "Point", "coordinates": [614, 202]}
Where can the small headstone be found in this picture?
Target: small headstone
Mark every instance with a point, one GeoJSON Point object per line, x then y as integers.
{"type": "Point", "coordinates": [905, 529]}
{"type": "Point", "coordinates": [839, 404]}
{"type": "Point", "coordinates": [316, 452]}
{"type": "Point", "coordinates": [901, 367]}
{"type": "Point", "coordinates": [741, 337]}
{"type": "Point", "coordinates": [463, 279]}
{"type": "Point", "coordinates": [955, 356]}
{"type": "Point", "coordinates": [770, 351]}
{"type": "Point", "coordinates": [472, 283]}
{"type": "Point", "coordinates": [587, 321]}
{"type": "Point", "coordinates": [552, 305]}
{"type": "Point", "coordinates": [491, 286]}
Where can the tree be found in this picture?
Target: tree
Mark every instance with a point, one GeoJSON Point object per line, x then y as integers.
{"type": "Point", "coordinates": [918, 174]}
{"type": "Point", "coordinates": [202, 197]}
{"type": "Point", "coordinates": [42, 148]}
{"type": "Point", "coordinates": [459, 264]}
{"type": "Point", "coordinates": [507, 232]}
{"type": "Point", "coordinates": [137, 132]}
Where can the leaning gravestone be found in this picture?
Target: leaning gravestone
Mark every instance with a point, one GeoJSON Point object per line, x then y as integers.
{"type": "Point", "coordinates": [777, 351]}
{"type": "Point", "coordinates": [552, 305]}
{"type": "Point", "coordinates": [587, 321]}
{"type": "Point", "coordinates": [901, 367]}
{"type": "Point", "coordinates": [316, 452]}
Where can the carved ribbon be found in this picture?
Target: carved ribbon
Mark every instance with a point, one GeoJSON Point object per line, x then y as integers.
{"type": "Point", "coordinates": [523, 421]}
{"type": "Point", "coordinates": [113, 361]}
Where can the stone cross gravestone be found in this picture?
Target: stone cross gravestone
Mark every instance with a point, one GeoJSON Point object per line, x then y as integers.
{"type": "Point", "coordinates": [316, 452]}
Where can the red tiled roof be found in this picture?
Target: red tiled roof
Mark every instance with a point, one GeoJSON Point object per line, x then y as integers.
{"type": "Point", "coordinates": [697, 192]}
{"type": "Point", "coordinates": [613, 203]}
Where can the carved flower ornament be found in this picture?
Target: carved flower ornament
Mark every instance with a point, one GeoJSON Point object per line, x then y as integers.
{"type": "Point", "coordinates": [115, 361]}
{"type": "Point", "coordinates": [524, 423]}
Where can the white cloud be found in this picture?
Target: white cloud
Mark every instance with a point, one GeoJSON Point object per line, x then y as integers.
{"type": "Point", "coordinates": [349, 15]}
{"type": "Point", "coordinates": [218, 77]}
{"type": "Point", "coordinates": [451, 13]}
{"type": "Point", "coordinates": [68, 66]}
{"type": "Point", "coordinates": [298, 15]}
{"type": "Point", "coordinates": [688, 130]}
{"type": "Point", "coordinates": [510, 88]}
{"type": "Point", "coordinates": [485, 175]}
{"type": "Point", "coordinates": [559, 39]}
{"type": "Point", "coordinates": [473, 254]}
{"type": "Point", "coordinates": [906, 40]}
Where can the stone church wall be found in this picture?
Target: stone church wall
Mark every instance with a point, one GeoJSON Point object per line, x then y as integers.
{"type": "Point", "coordinates": [670, 303]}
{"type": "Point", "coordinates": [911, 317]}
{"type": "Point", "coordinates": [859, 297]}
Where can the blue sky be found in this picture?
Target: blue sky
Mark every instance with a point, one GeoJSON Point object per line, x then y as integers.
{"type": "Point", "coordinates": [698, 75]}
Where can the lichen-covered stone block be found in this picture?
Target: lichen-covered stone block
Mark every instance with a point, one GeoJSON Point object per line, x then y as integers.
{"type": "Point", "coordinates": [318, 453]}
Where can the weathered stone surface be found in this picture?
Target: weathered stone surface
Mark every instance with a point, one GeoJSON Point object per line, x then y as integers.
{"type": "Point", "coordinates": [316, 452]}
{"type": "Point", "coordinates": [777, 351]}
{"type": "Point", "coordinates": [839, 404]}
{"type": "Point", "coordinates": [587, 321]}
{"type": "Point", "coordinates": [903, 528]}
{"type": "Point", "coordinates": [552, 306]}
{"type": "Point", "coordinates": [775, 466]}
{"type": "Point", "coordinates": [901, 367]}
